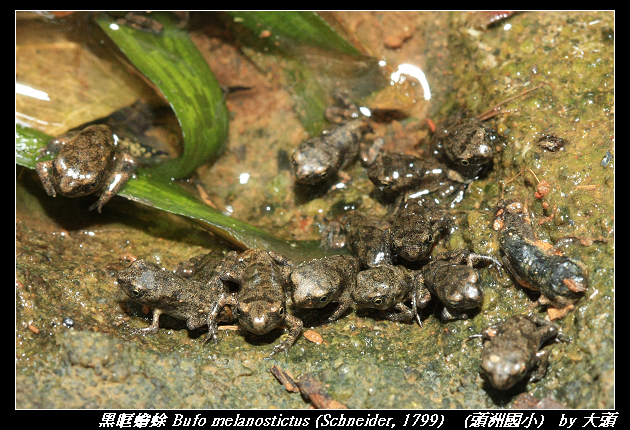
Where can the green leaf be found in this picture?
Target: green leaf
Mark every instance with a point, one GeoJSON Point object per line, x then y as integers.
{"type": "Point", "coordinates": [296, 27]}
{"type": "Point", "coordinates": [28, 141]}
{"type": "Point", "coordinates": [174, 65]}
{"type": "Point", "coordinates": [161, 193]}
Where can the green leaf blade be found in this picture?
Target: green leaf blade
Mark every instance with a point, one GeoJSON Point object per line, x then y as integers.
{"type": "Point", "coordinates": [174, 65]}
{"type": "Point", "coordinates": [296, 26]}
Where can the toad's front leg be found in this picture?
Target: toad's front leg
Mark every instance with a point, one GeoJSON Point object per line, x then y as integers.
{"type": "Point", "coordinates": [123, 170]}
{"type": "Point", "coordinates": [226, 299]}
{"type": "Point", "coordinates": [295, 328]}
{"type": "Point", "coordinates": [153, 328]}
{"type": "Point", "coordinates": [404, 313]}
{"type": "Point", "coordinates": [420, 297]}
{"type": "Point", "coordinates": [44, 170]}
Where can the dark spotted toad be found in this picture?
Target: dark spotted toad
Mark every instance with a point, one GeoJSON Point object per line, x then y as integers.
{"type": "Point", "coordinates": [512, 348]}
{"type": "Point", "coordinates": [387, 288]}
{"type": "Point", "coordinates": [86, 162]}
{"type": "Point", "coordinates": [452, 278]}
{"type": "Point", "coordinates": [316, 283]}
{"type": "Point", "coordinates": [535, 264]}
{"type": "Point", "coordinates": [322, 157]}
{"type": "Point", "coordinates": [259, 305]}
{"type": "Point", "coordinates": [167, 293]}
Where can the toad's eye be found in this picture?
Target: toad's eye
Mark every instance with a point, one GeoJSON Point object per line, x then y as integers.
{"type": "Point", "coordinates": [281, 311]}
{"type": "Point", "coordinates": [137, 292]}
{"type": "Point", "coordinates": [430, 238]}
{"type": "Point", "coordinates": [465, 162]}
{"type": "Point", "coordinates": [325, 298]}
{"type": "Point", "coordinates": [377, 300]}
{"type": "Point", "coordinates": [236, 313]}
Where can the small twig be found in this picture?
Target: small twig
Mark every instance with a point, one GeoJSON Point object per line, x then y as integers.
{"type": "Point", "coordinates": [525, 169]}
{"type": "Point", "coordinates": [285, 379]}
{"type": "Point", "coordinates": [496, 109]}
{"type": "Point", "coordinates": [229, 327]}
{"type": "Point", "coordinates": [314, 391]}
{"type": "Point", "coordinates": [309, 387]}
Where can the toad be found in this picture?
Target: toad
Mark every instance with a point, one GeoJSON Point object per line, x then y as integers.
{"type": "Point", "coordinates": [368, 238]}
{"type": "Point", "coordinates": [396, 173]}
{"type": "Point", "coordinates": [322, 157]}
{"type": "Point", "coordinates": [259, 305]}
{"type": "Point", "coordinates": [86, 162]}
{"type": "Point", "coordinates": [452, 278]}
{"type": "Point", "coordinates": [387, 288]}
{"type": "Point", "coordinates": [167, 293]}
{"type": "Point", "coordinates": [466, 147]}
{"type": "Point", "coordinates": [512, 348]}
{"type": "Point", "coordinates": [535, 264]}
{"type": "Point", "coordinates": [415, 228]}
{"type": "Point", "coordinates": [319, 282]}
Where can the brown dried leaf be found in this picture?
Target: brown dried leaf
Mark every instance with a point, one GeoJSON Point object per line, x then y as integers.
{"type": "Point", "coordinates": [555, 313]}
{"type": "Point", "coordinates": [313, 336]}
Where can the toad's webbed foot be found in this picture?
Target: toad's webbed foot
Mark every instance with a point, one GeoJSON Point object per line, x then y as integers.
{"type": "Point", "coordinates": [146, 330]}
{"type": "Point", "coordinates": [368, 153]}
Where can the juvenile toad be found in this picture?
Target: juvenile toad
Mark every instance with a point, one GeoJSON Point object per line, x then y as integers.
{"type": "Point", "coordinates": [415, 228]}
{"type": "Point", "coordinates": [319, 282]}
{"type": "Point", "coordinates": [512, 348]}
{"type": "Point", "coordinates": [323, 156]}
{"type": "Point", "coordinates": [260, 303]}
{"type": "Point", "coordinates": [396, 173]}
{"type": "Point", "coordinates": [461, 151]}
{"type": "Point", "coordinates": [190, 300]}
{"type": "Point", "coordinates": [387, 288]}
{"type": "Point", "coordinates": [536, 265]}
{"type": "Point", "coordinates": [368, 238]}
{"type": "Point", "coordinates": [85, 163]}
{"type": "Point", "coordinates": [466, 147]}
{"type": "Point", "coordinates": [409, 175]}
{"type": "Point", "coordinates": [410, 234]}
{"type": "Point", "coordinates": [452, 278]}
